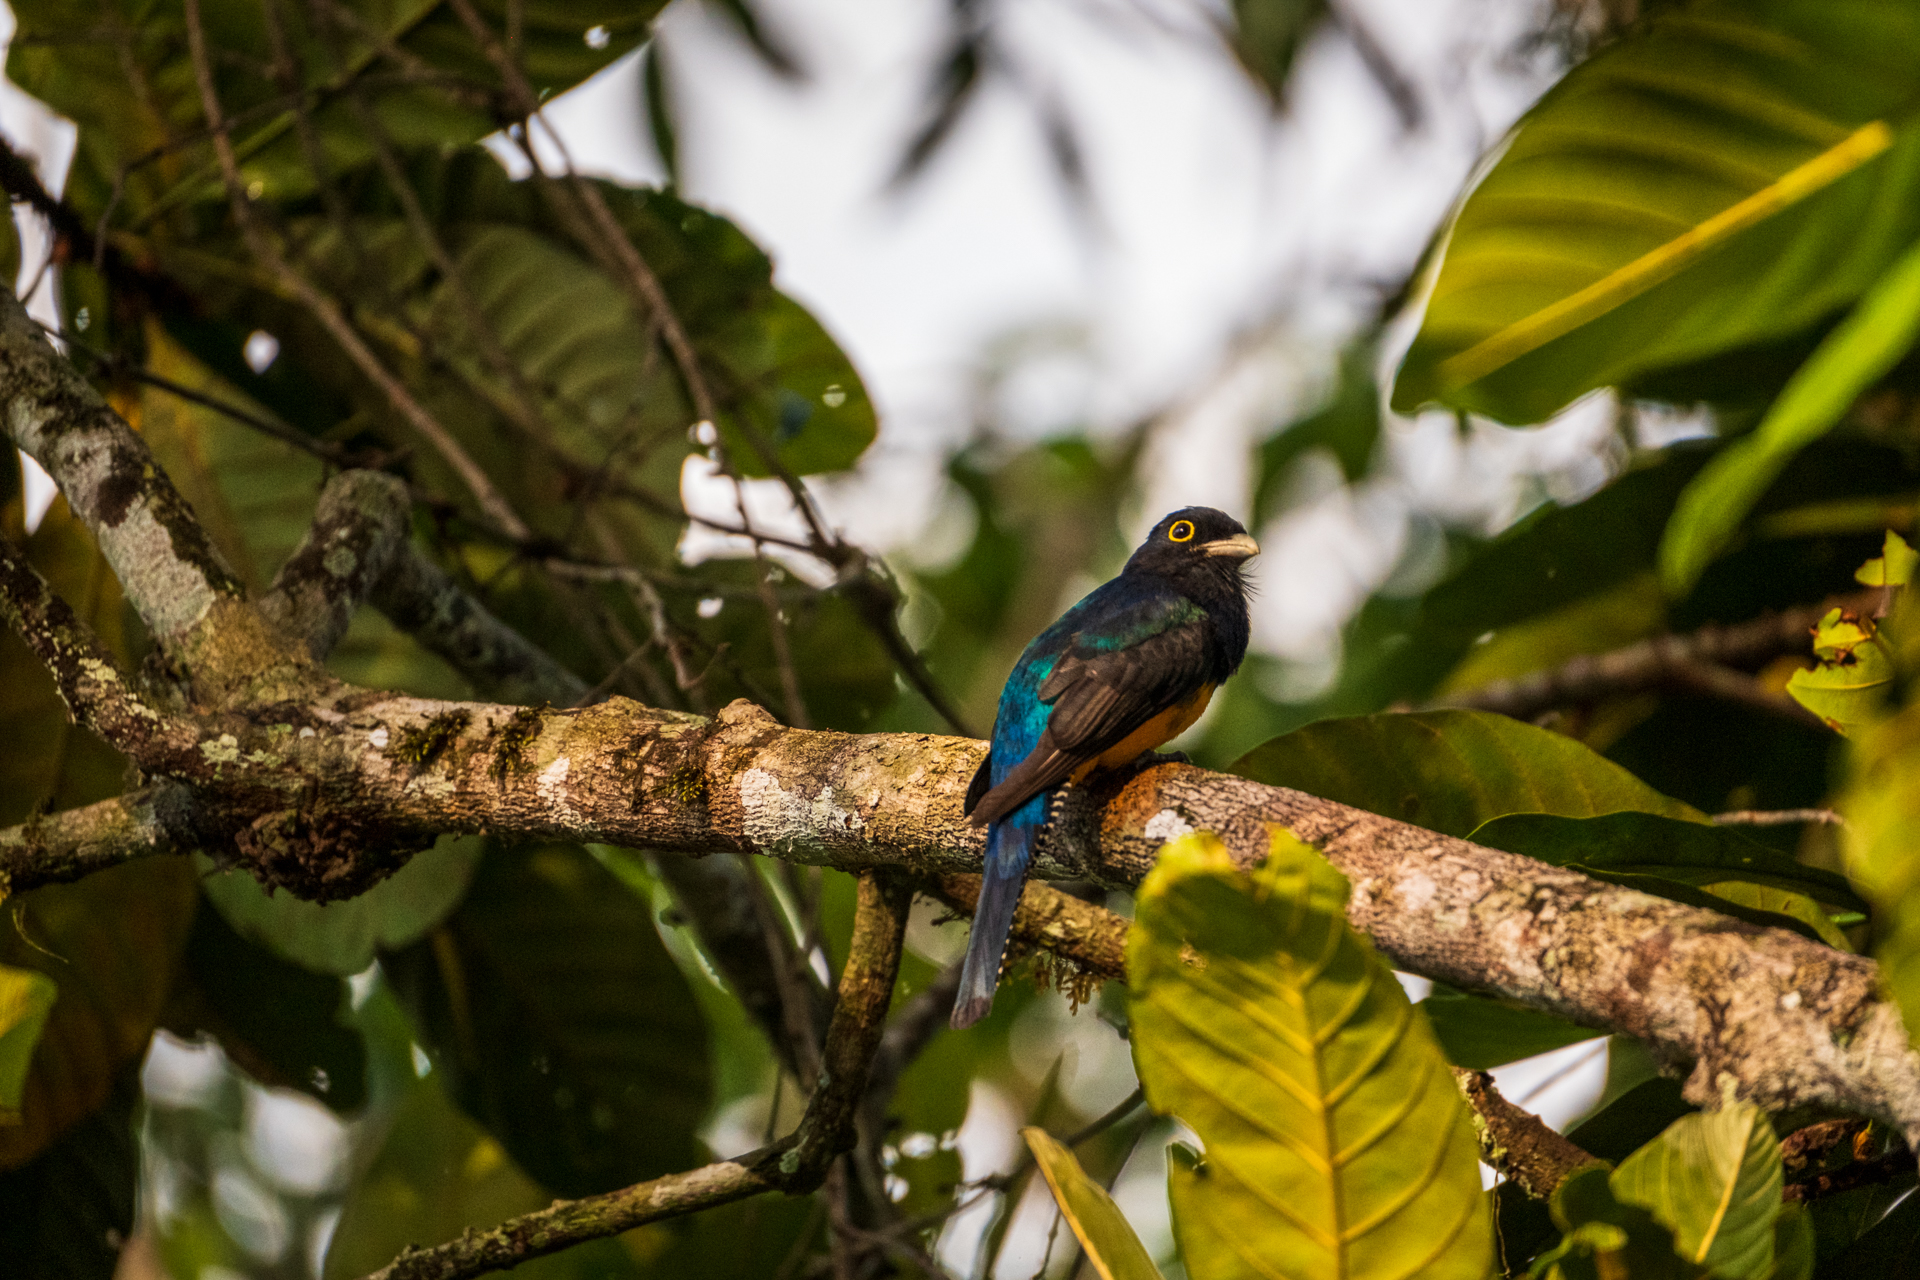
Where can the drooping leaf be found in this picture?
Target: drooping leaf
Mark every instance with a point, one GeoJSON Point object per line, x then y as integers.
{"type": "Point", "coordinates": [1480, 1033]}
{"type": "Point", "coordinates": [560, 1022]}
{"type": "Point", "coordinates": [69, 1210]}
{"type": "Point", "coordinates": [1728, 175]}
{"type": "Point", "coordinates": [1111, 1245]}
{"type": "Point", "coordinates": [1335, 1140]}
{"type": "Point", "coordinates": [278, 1022]}
{"type": "Point", "coordinates": [1714, 1180]}
{"type": "Point", "coordinates": [1848, 361]}
{"type": "Point", "coordinates": [1451, 771]}
{"type": "Point", "coordinates": [26, 998]}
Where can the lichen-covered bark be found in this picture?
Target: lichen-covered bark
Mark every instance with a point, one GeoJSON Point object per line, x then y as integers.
{"type": "Point", "coordinates": [163, 558]}
{"type": "Point", "coordinates": [346, 786]}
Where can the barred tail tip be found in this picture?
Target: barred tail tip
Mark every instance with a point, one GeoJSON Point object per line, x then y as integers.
{"type": "Point", "coordinates": [967, 1012]}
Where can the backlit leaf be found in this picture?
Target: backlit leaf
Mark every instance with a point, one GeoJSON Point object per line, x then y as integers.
{"type": "Point", "coordinates": [26, 998]}
{"type": "Point", "coordinates": [1336, 1143]}
{"type": "Point", "coordinates": [1111, 1245]}
{"type": "Point", "coordinates": [1714, 1180]}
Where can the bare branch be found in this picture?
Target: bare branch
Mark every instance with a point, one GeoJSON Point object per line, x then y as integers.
{"type": "Point", "coordinates": [1778, 818]}
{"type": "Point", "coordinates": [1696, 662]}
{"type": "Point", "coordinates": [1515, 1142]}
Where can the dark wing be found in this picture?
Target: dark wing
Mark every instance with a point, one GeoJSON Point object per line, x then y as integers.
{"type": "Point", "coordinates": [982, 779]}
{"type": "Point", "coordinates": [1099, 698]}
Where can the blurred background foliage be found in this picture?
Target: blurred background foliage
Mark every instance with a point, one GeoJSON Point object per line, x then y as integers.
{"type": "Point", "coordinates": [1696, 240]}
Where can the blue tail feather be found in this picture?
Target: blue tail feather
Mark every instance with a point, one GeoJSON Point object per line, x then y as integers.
{"type": "Point", "coordinates": [1009, 845]}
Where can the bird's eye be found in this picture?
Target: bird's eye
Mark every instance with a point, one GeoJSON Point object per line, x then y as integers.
{"type": "Point", "coordinates": [1182, 531]}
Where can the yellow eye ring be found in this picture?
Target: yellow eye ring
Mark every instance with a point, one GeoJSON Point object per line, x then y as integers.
{"type": "Point", "coordinates": [1181, 531]}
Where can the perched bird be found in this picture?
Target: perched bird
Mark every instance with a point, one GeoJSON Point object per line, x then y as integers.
{"type": "Point", "coordinates": [1122, 672]}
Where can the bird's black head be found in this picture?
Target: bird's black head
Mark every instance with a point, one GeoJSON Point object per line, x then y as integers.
{"type": "Point", "coordinates": [1196, 543]}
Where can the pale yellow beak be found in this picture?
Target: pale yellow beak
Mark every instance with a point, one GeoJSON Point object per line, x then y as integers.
{"type": "Point", "coordinates": [1239, 547]}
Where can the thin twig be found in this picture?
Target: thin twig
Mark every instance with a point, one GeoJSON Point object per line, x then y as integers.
{"type": "Point", "coordinates": [1778, 818]}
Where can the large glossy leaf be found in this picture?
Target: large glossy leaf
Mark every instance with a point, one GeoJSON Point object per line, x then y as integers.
{"type": "Point", "coordinates": [1114, 1250]}
{"type": "Point", "coordinates": [1336, 1143]}
{"type": "Point", "coordinates": [1714, 1180]}
{"type": "Point", "coordinates": [1451, 771]}
{"type": "Point", "coordinates": [69, 1210]}
{"type": "Point", "coordinates": [1724, 177]}
{"type": "Point", "coordinates": [1850, 359]}
{"type": "Point", "coordinates": [561, 1023]}
{"type": "Point", "coordinates": [342, 938]}
{"type": "Point", "coordinates": [1607, 1237]}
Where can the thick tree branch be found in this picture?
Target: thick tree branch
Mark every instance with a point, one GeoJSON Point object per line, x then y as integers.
{"type": "Point", "coordinates": [1703, 661]}
{"type": "Point", "coordinates": [1515, 1142]}
{"type": "Point", "coordinates": [1787, 1021]}
{"type": "Point", "coordinates": [165, 563]}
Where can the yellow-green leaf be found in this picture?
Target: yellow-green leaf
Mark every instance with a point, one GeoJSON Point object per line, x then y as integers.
{"type": "Point", "coordinates": [1893, 567]}
{"type": "Point", "coordinates": [26, 998]}
{"type": "Point", "coordinates": [1116, 1253]}
{"type": "Point", "coordinates": [1336, 1144]}
{"type": "Point", "coordinates": [1849, 686]}
{"type": "Point", "coordinates": [1714, 1180]}
{"type": "Point", "coordinates": [1882, 841]}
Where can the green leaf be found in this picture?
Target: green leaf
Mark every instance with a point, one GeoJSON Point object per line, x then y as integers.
{"type": "Point", "coordinates": [1451, 771]}
{"type": "Point", "coordinates": [1793, 1244]}
{"type": "Point", "coordinates": [1336, 1143]}
{"type": "Point", "coordinates": [1853, 674]}
{"type": "Point", "coordinates": [281, 1024]}
{"type": "Point", "coordinates": [26, 998]}
{"type": "Point", "coordinates": [1714, 1180]}
{"type": "Point", "coordinates": [1267, 35]}
{"type": "Point", "coordinates": [136, 90]}
{"type": "Point", "coordinates": [70, 1208]}
{"type": "Point", "coordinates": [1893, 567]}
{"type": "Point", "coordinates": [1723, 177]}
{"type": "Point", "coordinates": [1648, 844]}
{"type": "Point", "coordinates": [1607, 1237]}
{"type": "Point", "coordinates": [1111, 1245]}
{"type": "Point", "coordinates": [437, 1174]}
{"type": "Point", "coordinates": [1480, 1033]}
{"type": "Point", "coordinates": [1852, 358]}
{"type": "Point", "coordinates": [342, 938]}
{"type": "Point", "coordinates": [561, 1023]}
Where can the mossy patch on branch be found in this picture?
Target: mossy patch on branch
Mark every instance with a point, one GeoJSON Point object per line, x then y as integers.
{"type": "Point", "coordinates": [421, 745]}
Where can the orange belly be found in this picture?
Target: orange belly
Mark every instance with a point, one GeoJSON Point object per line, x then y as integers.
{"type": "Point", "coordinates": [1162, 729]}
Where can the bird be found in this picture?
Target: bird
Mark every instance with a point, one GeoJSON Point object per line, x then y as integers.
{"type": "Point", "coordinates": [1122, 672]}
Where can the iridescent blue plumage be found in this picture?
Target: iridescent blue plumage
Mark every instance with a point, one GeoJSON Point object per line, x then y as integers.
{"type": "Point", "coordinates": [1120, 673]}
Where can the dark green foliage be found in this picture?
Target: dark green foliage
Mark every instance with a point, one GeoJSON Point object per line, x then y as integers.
{"type": "Point", "coordinates": [68, 1211]}
{"type": "Point", "coordinates": [560, 1022]}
